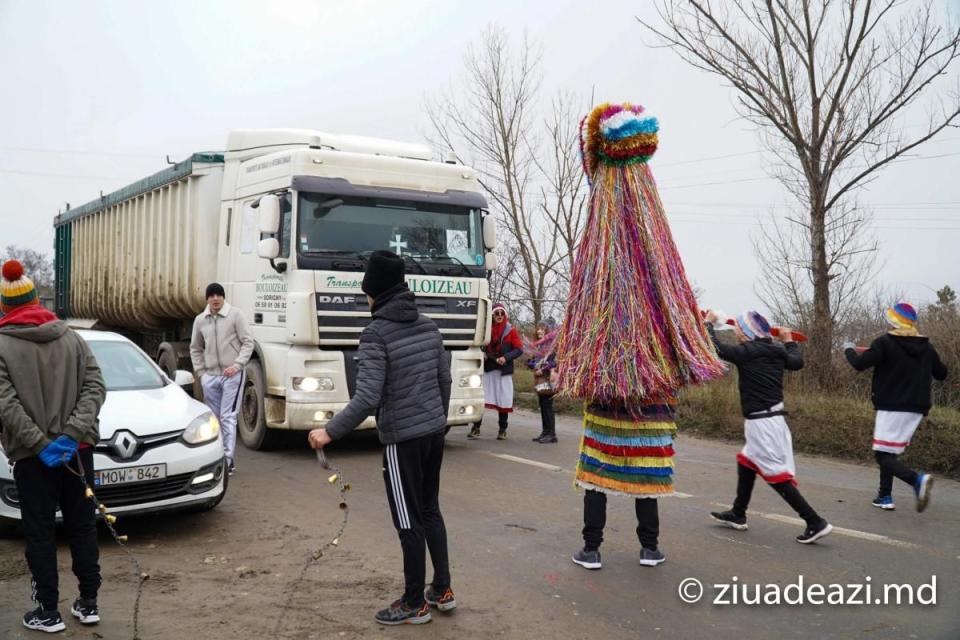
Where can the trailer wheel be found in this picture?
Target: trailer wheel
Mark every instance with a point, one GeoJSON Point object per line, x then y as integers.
{"type": "Point", "coordinates": [252, 421]}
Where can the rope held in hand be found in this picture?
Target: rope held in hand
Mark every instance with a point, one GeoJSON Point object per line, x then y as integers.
{"type": "Point", "coordinates": [337, 479]}
{"type": "Point", "coordinates": [109, 520]}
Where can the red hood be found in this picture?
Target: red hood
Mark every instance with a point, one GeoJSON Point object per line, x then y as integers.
{"type": "Point", "coordinates": [31, 314]}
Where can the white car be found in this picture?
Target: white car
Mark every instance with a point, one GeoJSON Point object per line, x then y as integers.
{"type": "Point", "coordinates": [159, 448]}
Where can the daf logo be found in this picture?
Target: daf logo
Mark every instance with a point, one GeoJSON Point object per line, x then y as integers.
{"type": "Point", "coordinates": [337, 299]}
{"type": "Point", "coordinates": [466, 304]}
{"type": "Point", "coordinates": [125, 444]}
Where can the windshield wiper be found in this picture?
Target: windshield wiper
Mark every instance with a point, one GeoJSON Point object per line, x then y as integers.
{"type": "Point", "coordinates": [460, 262]}
{"type": "Point", "coordinates": [361, 255]}
{"type": "Point", "coordinates": [416, 262]}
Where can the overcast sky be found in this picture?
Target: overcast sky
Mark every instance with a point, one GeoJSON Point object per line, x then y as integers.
{"type": "Point", "coordinates": [97, 93]}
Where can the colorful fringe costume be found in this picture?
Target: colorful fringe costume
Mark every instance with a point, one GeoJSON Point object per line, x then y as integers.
{"type": "Point", "coordinates": [632, 336]}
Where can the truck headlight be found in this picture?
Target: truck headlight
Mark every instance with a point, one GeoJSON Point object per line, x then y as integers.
{"type": "Point", "coordinates": [473, 381]}
{"type": "Point", "coordinates": [203, 429]}
{"type": "Point", "coordinates": [310, 384]}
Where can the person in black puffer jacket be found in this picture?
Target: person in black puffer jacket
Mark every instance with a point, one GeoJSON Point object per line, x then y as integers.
{"type": "Point", "coordinates": [769, 445]}
{"type": "Point", "coordinates": [404, 377]}
{"type": "Point", "coordinates": [903, 364]}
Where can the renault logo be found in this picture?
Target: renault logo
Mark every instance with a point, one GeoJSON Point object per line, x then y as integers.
{"type": "Point", "coordinates": [125, 444]}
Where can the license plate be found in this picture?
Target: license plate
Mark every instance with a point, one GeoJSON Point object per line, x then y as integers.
{"type": "Point", "coordinates": [125, 475]}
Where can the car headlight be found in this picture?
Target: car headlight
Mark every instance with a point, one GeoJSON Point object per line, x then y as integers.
{"type": "Point", "coordinates": [473, 381]}
{"type": "Point", "coordinates": [203, 429]}
{"type": "Point", "coordinates": [313, 384]}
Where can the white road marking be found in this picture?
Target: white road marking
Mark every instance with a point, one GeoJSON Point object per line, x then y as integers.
{"type": "Point", "coordinates": [681, 494]}
{"type": "Point", "coordinates": [532, 463]}
{"type": "Point", "coordinates": [852, 533]}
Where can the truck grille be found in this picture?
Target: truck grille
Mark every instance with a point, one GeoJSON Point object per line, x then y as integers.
{"type": "Point", "coordinates": [341, 319]}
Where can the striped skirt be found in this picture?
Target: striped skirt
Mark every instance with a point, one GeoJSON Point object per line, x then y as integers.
{"type": "Point", "coordinates": [627, 453]}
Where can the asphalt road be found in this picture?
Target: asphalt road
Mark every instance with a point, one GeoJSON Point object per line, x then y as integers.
{"type": "Point", "coordinates": [513, 520]}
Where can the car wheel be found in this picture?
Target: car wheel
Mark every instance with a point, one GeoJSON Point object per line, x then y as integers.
{"type": "Point", "coordinates": [252, 421]}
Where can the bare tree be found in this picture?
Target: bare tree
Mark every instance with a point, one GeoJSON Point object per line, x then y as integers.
{"type": "Point", "coordinates": [489, 119]}
{"type": "Point", "coordinates": [829, 83]}
{"type": "Point", "coordinates": [785, 283]}
{"type": "Point", "coordinates": [37, 266]}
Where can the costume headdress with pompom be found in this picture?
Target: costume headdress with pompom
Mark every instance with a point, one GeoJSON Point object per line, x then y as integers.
{"type": "Point", "coordinates": [632, 335]}
{"type": "Point", "coordinates": [16, 289]}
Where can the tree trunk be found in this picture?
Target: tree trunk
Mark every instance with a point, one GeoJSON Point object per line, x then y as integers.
{"type": "Point", "coordinates": [821, 331]}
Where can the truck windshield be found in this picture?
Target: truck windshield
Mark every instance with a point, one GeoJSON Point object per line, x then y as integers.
{"type": "Point", "coordinates": [345, 227]}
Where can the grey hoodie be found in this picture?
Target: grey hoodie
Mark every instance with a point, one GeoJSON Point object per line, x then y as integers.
{"type": "Point", "coordinates": [50, 385]}
{"type": "Point", "coordinates": [220, 340]}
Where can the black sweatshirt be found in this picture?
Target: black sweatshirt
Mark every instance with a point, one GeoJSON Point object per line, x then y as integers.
{"type": "Point", "coordinates": [902, 370]}
{"type": "Point", "coordinates": [760, 365]}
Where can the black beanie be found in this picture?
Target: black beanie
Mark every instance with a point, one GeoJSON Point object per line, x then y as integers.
{"type": "Point", "coordinates": [216, 289]}
{"type": "Point", "coordinates": [384, 272]}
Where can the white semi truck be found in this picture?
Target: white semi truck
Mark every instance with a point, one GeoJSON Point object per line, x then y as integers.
{"type": "Point", "coordinates": [284, 219]}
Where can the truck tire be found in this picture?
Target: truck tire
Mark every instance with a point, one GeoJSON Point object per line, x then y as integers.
{"type": "Point", "coordinates": [252, 421]}
{"type": "Point", "coordinates": [168, 362]}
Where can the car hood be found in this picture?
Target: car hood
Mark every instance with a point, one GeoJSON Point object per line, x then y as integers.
{"type": "Point", "coordinates": [148, 411]}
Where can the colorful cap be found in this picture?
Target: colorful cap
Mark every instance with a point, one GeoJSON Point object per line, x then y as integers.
{"type": "Point", "coordinates": [16, 289]}
{"type": "Point", "coordinates": [902, 315]}
{"type": "Point", "coordinates": [753, 325]}
{"type": "Point", "coordinates": [617, 134]}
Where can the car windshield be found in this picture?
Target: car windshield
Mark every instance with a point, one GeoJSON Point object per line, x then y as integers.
{"type": "Point", "coordinates": [331, 225]}
{"type": "Point", "coordinates": [125, 367]}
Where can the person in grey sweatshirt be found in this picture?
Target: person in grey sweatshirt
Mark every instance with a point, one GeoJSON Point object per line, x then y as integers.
{"type": "Point", "coordinates": [404, 378]}
{"type": "Point", "coordinates": [220, 348]}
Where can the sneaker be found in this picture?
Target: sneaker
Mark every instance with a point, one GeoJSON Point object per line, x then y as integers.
{"type": "Point", "coordinates": [652, 557]}
{"type": "Point", "coordinates": [884, 502]}
{"type": "Point", "coordinates": [537, 439]}
{"type": "Point", "coordinates": [587, 558]}
{"type": "Point", "coordinates": [85, 611]}
{"type": "Point", "coordinates": [922, 489]}
{"type": "Point", "coordinates": [730, 519]}
{"type": "Point", "coordinates": [48, 621]}
{"type": "Point", "coordinates": [399, 613]}
{"type": "Point", "coordinates": [812, 534]}
{"type": "Point", "coordinates": [474, 432]}
{"type": "Point", "coordinates": [443, 602]}
{"type": "Point", "coordinates": [231, 468]}
{"type": "Point", "coordinates": [546, 439]}
{"type": "Point", "coordinates": [502, 435]}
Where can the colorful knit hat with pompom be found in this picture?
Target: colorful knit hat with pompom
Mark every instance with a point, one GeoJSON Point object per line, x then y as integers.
{"type": "Point", "coordinates": [16, 289]}
{"type": "Point", "coordinates": [902, 315]}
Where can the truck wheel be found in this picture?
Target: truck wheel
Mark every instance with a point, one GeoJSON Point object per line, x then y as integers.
{"type": "Point", "coordinates": [252, 421]}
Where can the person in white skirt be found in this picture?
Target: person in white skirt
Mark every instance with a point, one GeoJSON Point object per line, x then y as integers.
{"type": "Point", "coordinates": [904, 363]}
{"type": "Point", "coordinates": [769, 446]}
{"type": "Point", "coordinates": [505, 346]}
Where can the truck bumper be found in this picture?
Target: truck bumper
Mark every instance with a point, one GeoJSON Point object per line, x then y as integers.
{"type": "Point", "coordinates": [301, 411]}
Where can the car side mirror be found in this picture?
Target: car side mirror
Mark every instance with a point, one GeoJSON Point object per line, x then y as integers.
{"type": "Point", "coordinates": [269, 248]}
{"type": "Point", "coordinates": [491, 261]}
{"type": "Point", "coordinates": [490, 232]}
{"type": "Point", "coordinates": [182, 378]}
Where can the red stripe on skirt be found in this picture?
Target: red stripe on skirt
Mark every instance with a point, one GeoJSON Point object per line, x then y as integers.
{"type": "Point", "coordinates": [786, 476]}
{"type": "Point", "coordinates": [632, 452]}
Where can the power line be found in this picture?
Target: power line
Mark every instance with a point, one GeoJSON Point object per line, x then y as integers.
{"type": "Point", "coordinates": [85, 152]}
{"type": "Point", "coordinates": [65, 175]}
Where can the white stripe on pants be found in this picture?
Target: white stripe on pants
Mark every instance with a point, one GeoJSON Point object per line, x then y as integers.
{"type": "Point", "coordinates": [222, 395]}
{"type": "Point", "coordinates": [396, 486]}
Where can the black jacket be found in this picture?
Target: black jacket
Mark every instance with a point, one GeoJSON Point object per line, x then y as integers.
{"type": "Point", "coordinates": [403, 374]}
{"type": "Point", "coordinates": [902, 370]}
{"type": "Point", "coordinates": [760, 365]}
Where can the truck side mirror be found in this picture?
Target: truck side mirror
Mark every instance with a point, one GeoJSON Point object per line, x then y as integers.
{"type": "Point", "coordinates": [490, 232]}
{"type": "Point", "coordinates": [491, 260]}
{"type": "Point", "coordinates": [269, 207]}
{"type": "Point", "coordinates": [269, 248]}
